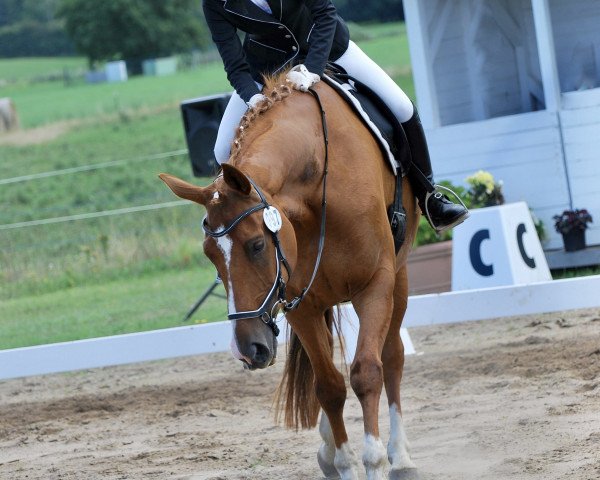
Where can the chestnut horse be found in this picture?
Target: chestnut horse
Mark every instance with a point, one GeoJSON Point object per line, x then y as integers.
{"type": "Point", "coordinates": [263, 224]}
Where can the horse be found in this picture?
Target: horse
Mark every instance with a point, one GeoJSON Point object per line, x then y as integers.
{"type": "Point", "coordinates": [320, 247]}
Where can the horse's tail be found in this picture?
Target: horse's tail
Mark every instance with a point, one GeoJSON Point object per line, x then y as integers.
{"type": "Point", "coordinates": [296, 398]}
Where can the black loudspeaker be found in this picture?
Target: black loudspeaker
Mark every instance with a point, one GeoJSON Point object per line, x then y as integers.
{"type": "Point", "coordinates": [201, 118]}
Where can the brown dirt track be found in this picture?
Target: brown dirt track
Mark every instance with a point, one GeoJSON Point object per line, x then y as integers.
{"type": "Point", "coordinates": [515, 398]}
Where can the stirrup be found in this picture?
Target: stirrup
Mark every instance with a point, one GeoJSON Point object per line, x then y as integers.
{"type": "Point", "coordinates": [437, 194]}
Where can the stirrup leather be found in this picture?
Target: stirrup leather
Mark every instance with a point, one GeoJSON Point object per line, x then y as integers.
{"type": "Point", "coordinates": [436, 193]}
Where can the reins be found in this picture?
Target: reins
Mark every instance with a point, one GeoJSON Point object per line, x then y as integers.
{"type": "Point", "coordinates": [293, 304]}
{"type": "Point", "coordinates": [273, 221]}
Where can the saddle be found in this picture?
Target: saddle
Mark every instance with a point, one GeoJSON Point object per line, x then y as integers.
{"type": "Point", "coordinates": [386, 130]}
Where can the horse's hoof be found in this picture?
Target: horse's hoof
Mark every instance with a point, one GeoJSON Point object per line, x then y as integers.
{"type": "Point", "coordinates": [404, 474]}
{"type": "Point", "coordinates": [329, 471]}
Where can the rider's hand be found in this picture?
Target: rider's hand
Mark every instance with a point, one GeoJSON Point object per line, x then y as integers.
{"type": "Point", "coordinates": [255, 100]}
{"type": "Point", "coordinates": [301, 79]}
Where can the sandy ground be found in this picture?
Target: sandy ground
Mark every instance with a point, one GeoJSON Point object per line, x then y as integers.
{"type": "Point", "coordinates": [514, 398]}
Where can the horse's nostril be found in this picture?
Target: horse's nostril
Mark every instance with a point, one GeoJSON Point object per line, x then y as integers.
{"type": "Point", "coordinates": [262, 355]}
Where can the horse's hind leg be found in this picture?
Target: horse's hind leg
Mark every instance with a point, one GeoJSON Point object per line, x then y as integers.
{"type": "Point", "coordinates": [374, 308]}
{"type": "Point", "coordinates": [403, 467]}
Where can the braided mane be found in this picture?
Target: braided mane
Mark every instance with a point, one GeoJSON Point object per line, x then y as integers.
{"type": "Point", "coordinates": [275, 90]}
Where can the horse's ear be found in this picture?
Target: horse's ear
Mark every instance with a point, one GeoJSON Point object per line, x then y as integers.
{"type": "Point", "coordinates": [186, 190]}
{"type": "Point", "coordinates": [236, 179]}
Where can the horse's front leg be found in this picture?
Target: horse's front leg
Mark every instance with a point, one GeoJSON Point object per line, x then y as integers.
{"type": "Point", "coordinates": [374, 309]}
{"type": "Point", "coordinates": [336, 458]}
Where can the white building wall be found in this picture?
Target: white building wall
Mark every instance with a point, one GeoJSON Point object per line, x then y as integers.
{"type": "Point", "coordinates": [478, 73]}
{"type": "Point", "coordinates": [524, 151]}
{"type": "Point", "coordinates": [580, 120]}
{"type": "Point", "coordinates": [450, 67]}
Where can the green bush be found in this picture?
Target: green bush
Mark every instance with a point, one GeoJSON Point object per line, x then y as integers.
{"type": "Point", "coordinates": [34, 39]}
{"type": "Point", "coordinates": [483, 191]}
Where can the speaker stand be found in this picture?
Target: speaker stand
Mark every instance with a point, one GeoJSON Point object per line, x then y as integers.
{"type": "Point", "coordinates": [207, 293]}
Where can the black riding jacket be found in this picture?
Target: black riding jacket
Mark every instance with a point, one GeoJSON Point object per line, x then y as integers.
{"type": "Point", "coordinates": [309, 32]}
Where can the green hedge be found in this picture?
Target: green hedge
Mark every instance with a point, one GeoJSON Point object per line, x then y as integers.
{"type": "Point", "coordinates": [34, 39]}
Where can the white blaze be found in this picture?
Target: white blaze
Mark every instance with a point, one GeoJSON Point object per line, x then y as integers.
{"type": "Point", "coordinates": [225, 244]}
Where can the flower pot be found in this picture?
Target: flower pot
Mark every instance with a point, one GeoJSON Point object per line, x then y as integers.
{"type": "Point", "coordinates": [430, 268]}
{"type": "Point", "coordinates": [574, 240]}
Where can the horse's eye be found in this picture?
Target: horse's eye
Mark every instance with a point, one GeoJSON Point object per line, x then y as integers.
{"type": "Point", "coordinates": [255, 247]}
{"type": "Point", "coordinates": [258, 246]}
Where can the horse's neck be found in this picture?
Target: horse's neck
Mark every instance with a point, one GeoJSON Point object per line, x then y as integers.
{"type": "Point", "coordinates": [281, 169]}
{"type": "Point", "coordinates": [284, 157]}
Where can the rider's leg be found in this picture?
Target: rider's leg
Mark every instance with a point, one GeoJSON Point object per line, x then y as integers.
{"type": "Point", "coordinates": [231, 119]}
{"type": "Point", "coordinates": [442, 213]}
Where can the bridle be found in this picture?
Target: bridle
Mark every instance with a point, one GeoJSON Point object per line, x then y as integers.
{"type": "Point", "coordinates": [266, 314]}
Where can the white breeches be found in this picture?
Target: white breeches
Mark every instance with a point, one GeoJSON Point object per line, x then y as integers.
{"type": "Point", "coordinates": [357, 64]}
{"type": "Point", "coordinates": [360, 66]}
{"type": "Point", "coordinates": [231, 119]}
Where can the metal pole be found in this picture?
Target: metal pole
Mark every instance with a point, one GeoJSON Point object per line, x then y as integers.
{"type": "Point", "coordinates": [204, 296]}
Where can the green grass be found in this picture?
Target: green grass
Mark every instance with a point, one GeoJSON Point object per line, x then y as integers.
{"type": "Point", "coordinates": [42, 103]}
{"type": "Point", "coordinates": [49, 257]}
{"type": "Point", "coordinates": [113, 274]}
{"type": "Point", "coordinates": [39, 104]}
{"type": "Point", "coordinates": [391, 29]}
{"type": "Point", "coordinates": [32, 69]}
{"type": "Point", "coordinates": [122, 306]}
{"type": "Point", "coordinates": [89, 143]}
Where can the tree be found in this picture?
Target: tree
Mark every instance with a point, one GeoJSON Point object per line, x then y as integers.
{"type": "Point", "coordinates": [133, 29]}
{"type": "Point", "coordinates": [29, 28]}
{"type": "Point", "coordinates": [14, 11]}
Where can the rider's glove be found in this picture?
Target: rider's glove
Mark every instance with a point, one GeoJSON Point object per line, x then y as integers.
{"type": "Point", "coordinates": [255, 100]}
{"type": "Point", "coordinates": [301, 78]}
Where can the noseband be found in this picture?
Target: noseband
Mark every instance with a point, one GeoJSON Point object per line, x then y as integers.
{"type": "Point", "coordinates": [272, 220]}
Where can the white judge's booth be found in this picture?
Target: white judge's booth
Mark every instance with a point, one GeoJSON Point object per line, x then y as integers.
{"type": "Point", "coordinates": [513, 87]}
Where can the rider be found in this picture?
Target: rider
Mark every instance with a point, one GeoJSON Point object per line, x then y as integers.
{"type": "Point", "coordinates": [308, 34]}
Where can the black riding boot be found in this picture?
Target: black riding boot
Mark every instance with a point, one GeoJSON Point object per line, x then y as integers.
{"type": "Point", "coordinates": [441, 213]}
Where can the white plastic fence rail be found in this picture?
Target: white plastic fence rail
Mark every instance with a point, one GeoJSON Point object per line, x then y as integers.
{"type": "Point", "coordinates": [103, 213]}
{"type": "Point", "coordinates": [431, 309]}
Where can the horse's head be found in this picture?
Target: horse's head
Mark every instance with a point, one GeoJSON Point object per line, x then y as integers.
{"type": "Point", "coordinates": [241, 241]}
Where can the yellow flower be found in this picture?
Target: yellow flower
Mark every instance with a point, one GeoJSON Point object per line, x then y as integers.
{"type": "Point", "coordinates": [484, 179]}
